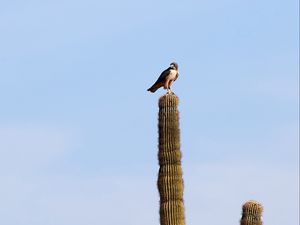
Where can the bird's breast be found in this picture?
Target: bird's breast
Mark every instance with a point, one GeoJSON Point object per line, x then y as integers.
{"type": "Point", "coordinates": [173, 74]}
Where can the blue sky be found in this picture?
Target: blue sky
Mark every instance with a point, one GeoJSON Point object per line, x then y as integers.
{"type": "Point", "coordinates": [78, 130]}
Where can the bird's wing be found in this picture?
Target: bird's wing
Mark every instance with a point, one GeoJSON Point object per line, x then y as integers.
{"type": "Point", "coordinates": [163, 75]}
{"type": "Point", "coordinates": [160, 81]}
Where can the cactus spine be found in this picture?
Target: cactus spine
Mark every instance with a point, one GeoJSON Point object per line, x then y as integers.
{"type": "Point", "coordinates": [252, 212]}
{"type": "Point", "coordinates": [170, 182]}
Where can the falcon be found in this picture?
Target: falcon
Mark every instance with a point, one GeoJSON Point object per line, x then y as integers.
{"type": "Point", "coordinates": [166, 78]}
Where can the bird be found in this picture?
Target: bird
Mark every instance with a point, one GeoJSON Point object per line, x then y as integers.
{"type": "Point", "coordinates": [166, 78]}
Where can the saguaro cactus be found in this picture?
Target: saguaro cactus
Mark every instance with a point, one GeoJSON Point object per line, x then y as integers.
{"type": "Point", "coordinates": [170, 182]}
{"type": "Point", "coordinates": [252, 212]}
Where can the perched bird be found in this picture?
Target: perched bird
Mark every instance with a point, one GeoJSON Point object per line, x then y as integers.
{"type": "Point", "coordinates": [166, 78]}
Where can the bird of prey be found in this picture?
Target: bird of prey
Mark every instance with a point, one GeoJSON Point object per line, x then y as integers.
{"type": "Point", "coordinates": [166, 78]}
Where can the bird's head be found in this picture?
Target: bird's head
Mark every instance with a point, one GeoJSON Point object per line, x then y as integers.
{"type": "Point", "coordinates": [174, 65]}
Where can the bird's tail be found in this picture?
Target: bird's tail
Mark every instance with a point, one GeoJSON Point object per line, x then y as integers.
{"type": "Point", "coordinates": [153, 88]}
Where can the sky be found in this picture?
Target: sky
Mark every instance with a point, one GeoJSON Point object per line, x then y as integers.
{"type": "Point", "coordinates": [78, 130]}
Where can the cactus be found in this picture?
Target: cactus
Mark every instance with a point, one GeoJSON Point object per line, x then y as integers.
{"type": "Point", "coordinates": [170, 182]}
{"type": "Point", "coordinates": [252, 212]}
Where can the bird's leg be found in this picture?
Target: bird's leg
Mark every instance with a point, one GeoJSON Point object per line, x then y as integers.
{"type": "Point", "coordinates": [169, 86]}
{"type": "Point", "coordinates": [169, 89]}
{"type": "Point", "coordinates": [166, 86]}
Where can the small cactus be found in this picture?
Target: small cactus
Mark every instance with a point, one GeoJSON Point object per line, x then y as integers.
{"type": "Point", "coordinates": [252, 212]}
{"type": "Point", "coordinates": [170, 182]}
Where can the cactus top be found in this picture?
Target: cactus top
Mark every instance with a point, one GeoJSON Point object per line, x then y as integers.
{"type": "Point", "coordinates": [168, 100]}
{"type": "Point", "coordinates": [252, 212]}
{"type": "Point", "coordinates": [252, 206]}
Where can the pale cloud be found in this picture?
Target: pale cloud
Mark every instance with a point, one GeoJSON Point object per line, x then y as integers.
{"type": "Point", "coordinates": [214, 189]}
{"type": "Point", "coordinates": [26, 147]}
{"type": "Point", "coordinates": [62, 200]}
{"type": "Point", "coordinates": [214, 193]}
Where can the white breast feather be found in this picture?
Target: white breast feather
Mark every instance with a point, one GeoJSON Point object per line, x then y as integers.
{"type": "Point", "coordinates": [172, 74]}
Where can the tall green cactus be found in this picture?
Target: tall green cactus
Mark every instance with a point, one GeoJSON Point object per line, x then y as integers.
{"type": "Point", "coordinates": [252, 212]}
{"type": "Point", "coordinates": [170, 182]}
